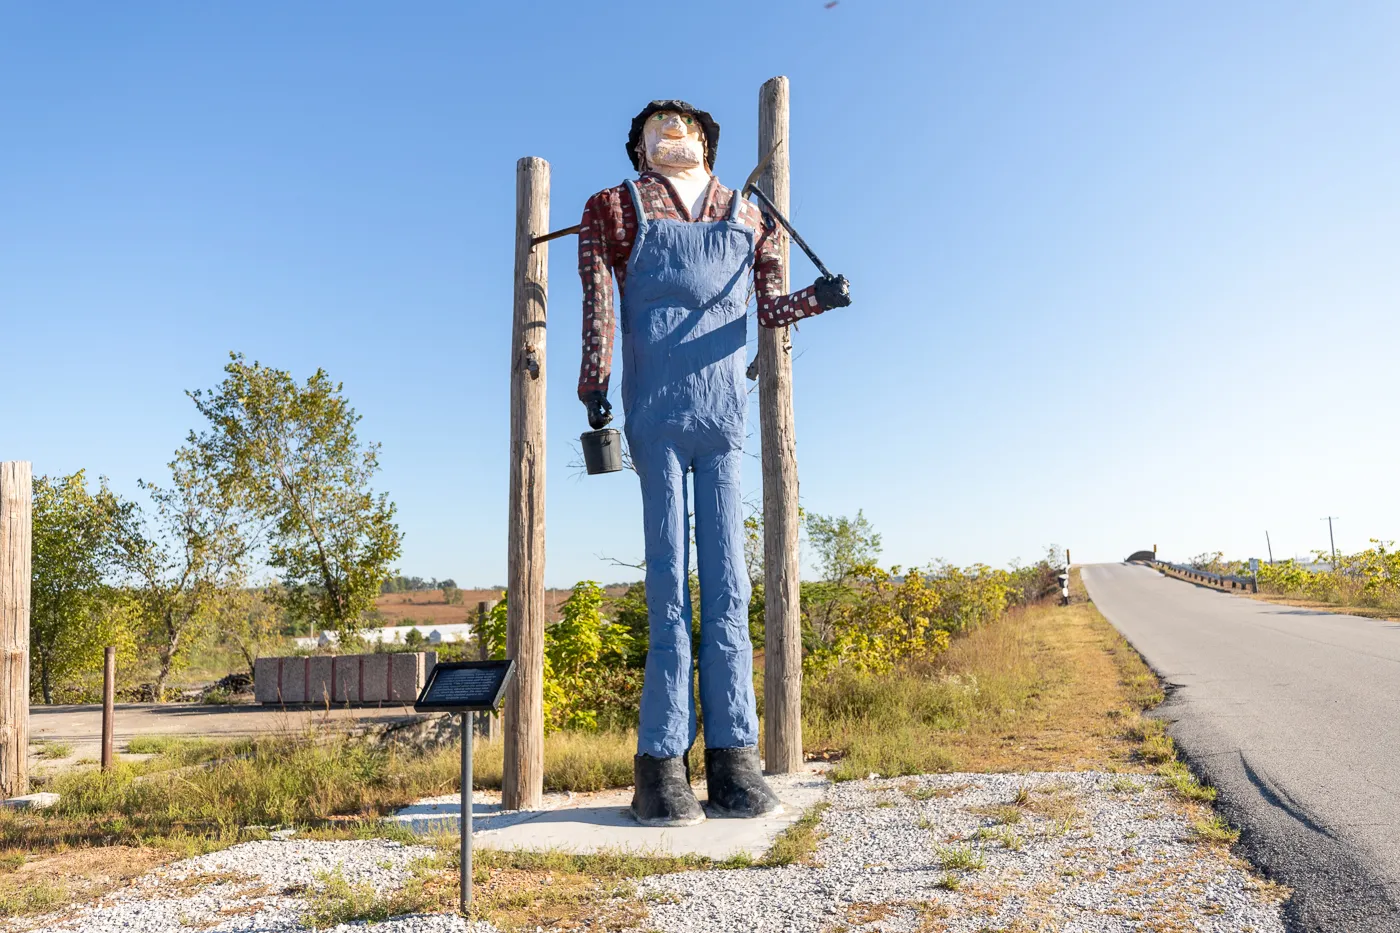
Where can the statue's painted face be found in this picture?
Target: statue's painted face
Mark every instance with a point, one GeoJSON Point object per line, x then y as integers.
{"type": "Point", "coordinates": [673, 140]}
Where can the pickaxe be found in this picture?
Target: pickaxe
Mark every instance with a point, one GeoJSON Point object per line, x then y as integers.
{"type": "Point", "coordinates": [751, 186]}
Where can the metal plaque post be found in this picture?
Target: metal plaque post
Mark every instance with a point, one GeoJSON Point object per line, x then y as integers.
{"type": "Point", "coordinates": [464, 688]}
{"type": "Point", "coordinates": [466, 821]}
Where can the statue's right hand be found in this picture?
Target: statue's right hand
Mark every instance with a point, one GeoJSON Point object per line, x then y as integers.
{"type": "Point", "coordinates": [599, 409]}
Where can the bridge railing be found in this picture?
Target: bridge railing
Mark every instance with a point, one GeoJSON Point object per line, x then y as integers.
{"type": "Point", "coordinates": [1221, 580]}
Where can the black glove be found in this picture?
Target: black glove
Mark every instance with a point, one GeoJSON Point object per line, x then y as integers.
{"type": "Point", "coordinates": [599, 409]}
{"type": "Point", "coordinates": [833, 291]}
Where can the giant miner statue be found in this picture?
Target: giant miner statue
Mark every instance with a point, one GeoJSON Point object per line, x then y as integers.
{"type": "Point", "coordinates": [682, 247]}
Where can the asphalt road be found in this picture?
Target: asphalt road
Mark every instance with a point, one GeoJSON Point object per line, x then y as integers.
{"type": "Point", "coordinates": [1294, 716]}
{"type": "Point", "coordinates": [81, 726]}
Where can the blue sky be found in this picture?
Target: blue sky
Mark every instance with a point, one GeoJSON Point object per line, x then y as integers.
{"type": "Point", "coordinates": [1124, 273]}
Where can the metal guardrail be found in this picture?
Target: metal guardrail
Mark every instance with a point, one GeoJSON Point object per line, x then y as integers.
{"type": "Point", "coordinates": [1223, 581]}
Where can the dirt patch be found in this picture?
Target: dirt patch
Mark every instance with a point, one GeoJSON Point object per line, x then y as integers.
{"type": "Point", "coordinates": [80, 874]}
{"type": "Point", "coordinates": [428, 607]}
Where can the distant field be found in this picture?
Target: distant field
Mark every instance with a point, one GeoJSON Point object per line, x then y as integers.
{"type": "Point", "coordinates": [427, 607]}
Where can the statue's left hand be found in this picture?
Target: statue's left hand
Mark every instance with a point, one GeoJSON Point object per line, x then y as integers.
{"type": "Point", "coordinates": [833, 291]}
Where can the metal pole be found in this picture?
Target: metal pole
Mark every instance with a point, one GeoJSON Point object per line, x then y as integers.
{"type": "Point", "coordinates": [466, 819]}
{"type": "Point", "coordinates": [109, 697]}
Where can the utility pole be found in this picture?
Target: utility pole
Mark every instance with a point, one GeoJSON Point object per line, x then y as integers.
{"type": "Point", "coordinates": [16, 542]}
{"type": "Point", "coordinates": [1271, 547]}
{"type": "Point", "coordinates": [522, 783]}
{"type": "Point", "coordinates": [1332, 539]}
{"type": "Point", "coordinates": [782, 607]}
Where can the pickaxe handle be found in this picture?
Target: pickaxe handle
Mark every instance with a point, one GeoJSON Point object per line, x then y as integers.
{"type": "Point", "coordinates": [796, 237]}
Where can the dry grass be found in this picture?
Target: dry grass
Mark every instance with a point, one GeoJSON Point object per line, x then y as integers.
{"type": "Point", "coordinates": [1047, 688]}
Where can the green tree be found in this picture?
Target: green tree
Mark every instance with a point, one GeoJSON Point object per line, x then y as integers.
{"type": "Point", "coordinates": [847, 549]}
{"type": "Point", "coordinates": [585, 670]}
{"type": "Point", "coordinates": [247, 618]}
{"type": "Point", "coordinates": [494, 632]}
{"type": "Point", "coordinates": [184, 559]}
{"type": "Point", "coordinates": [843, 545]}
{"type": "Point", "coordinates": [630, 612]}
{"type": "Point", "coordinates": [74, 613]}
{"type": "Point", "coordinates": [290, 454]}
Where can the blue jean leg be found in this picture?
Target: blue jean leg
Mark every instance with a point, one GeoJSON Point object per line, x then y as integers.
{"type": "Point", "coordinates": [726, 653]}
{"type": "Point", "coordinates": [667, 726]}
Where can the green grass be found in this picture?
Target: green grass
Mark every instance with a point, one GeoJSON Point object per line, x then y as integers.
{"type": "Point", "coordinates": [39, 896]}
{"type": "Point", "coordinates": [333, 900]}
{"type": "Point", "coordinates": [1184, 784]}
{"type": "Point", "coordinates": [1215, 830]}
{"type": "Point", "coordinates": [1004, 835]}
{"type": "Point", "coordinates": [1125, 785]}
{"type": "Point", "coordinates": [799, 841]}
{"type": "Point", "coordinates": [1001, 813]}
{"type": "Point", "coordinates": [614, 864]}
{"type": "Point", "coordinates": [178, 751]}
{"type": "Point", "coordinates": [52, 751]}
{"type": "Point", "coordinates": [960, 858]}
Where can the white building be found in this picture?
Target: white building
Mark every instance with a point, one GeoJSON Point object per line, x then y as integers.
{"type": "Point", "coordinates": [397, 634]}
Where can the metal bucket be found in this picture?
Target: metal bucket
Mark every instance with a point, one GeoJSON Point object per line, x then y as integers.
{"type": "Point", "coordinates": [602, 450]}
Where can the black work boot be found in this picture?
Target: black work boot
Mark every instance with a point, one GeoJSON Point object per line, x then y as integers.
{"type": "Point", "coordinates": [737, 788]}
{"type": "Point", "coordinates": [663, 796]}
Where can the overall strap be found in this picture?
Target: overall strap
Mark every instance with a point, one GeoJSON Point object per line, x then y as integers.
{"type": "Point", "coordinates": [637, 206]}
{"type": "Point", "coordinates": [734, 204]}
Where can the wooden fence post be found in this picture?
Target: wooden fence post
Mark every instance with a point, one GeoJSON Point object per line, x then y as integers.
{"type": "Point", "coordinates": [488, 725]}
{"type": "Point", "coordinates": [522, 786]}
{"type": "Point", "coordinates": [16, 540]}
{"type": "Point", "coordinates": [782, 610]}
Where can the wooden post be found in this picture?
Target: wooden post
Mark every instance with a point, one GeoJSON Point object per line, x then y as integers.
{"type": "Point", "coordinates": [782, 611]}
{"type": "Point", "coordinates": [16, 540]}
{"type": "Point", "coordinates": [522, 785]}
{"type": "Point", "coordinates": [109, 705]}
{"type": "Point", "coordinates": [488, 725]}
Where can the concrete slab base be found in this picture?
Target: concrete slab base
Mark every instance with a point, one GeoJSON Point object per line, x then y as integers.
{"type": "Point", "coordinates": [31, 802]}
{"type": "Point", "coordinates": [601, 822]}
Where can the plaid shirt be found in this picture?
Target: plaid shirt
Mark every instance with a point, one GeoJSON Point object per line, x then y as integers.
{"type": "Point", "coordinates": [605, 242]}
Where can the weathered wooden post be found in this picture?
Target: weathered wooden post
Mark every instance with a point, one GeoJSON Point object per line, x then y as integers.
{"type": "Point", "coordinates": [522, 785]}
{"type": "Point", "coordinates": [16, 541]}
{"type": "Point", "coordinates": [782, 612]}
{"type": "Point", "coordinates": [109, 705]}
{"type": "Point", "coordinates": [488, 725]}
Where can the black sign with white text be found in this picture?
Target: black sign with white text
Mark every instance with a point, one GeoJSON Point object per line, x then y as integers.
{"type": "Point", "coordinates": [465, 686]}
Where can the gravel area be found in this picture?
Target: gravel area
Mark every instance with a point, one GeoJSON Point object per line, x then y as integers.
{"type": "Point", "coordinates": [1079, 852]}
{"type": "Point", "coordinates": [1082, 852]}
{"type": "Point", "coordinates": [255, 887]}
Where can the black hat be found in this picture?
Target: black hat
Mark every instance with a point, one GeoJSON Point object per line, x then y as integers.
{"type": "Point", "coordinates": [707, 123]}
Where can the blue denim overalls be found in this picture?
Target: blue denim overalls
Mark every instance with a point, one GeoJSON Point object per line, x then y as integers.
{"type": "Point", "coordinates": [684, 330]}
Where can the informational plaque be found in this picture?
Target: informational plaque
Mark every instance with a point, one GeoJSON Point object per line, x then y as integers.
{"type": "Point", "coordinates": [465, 687]}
